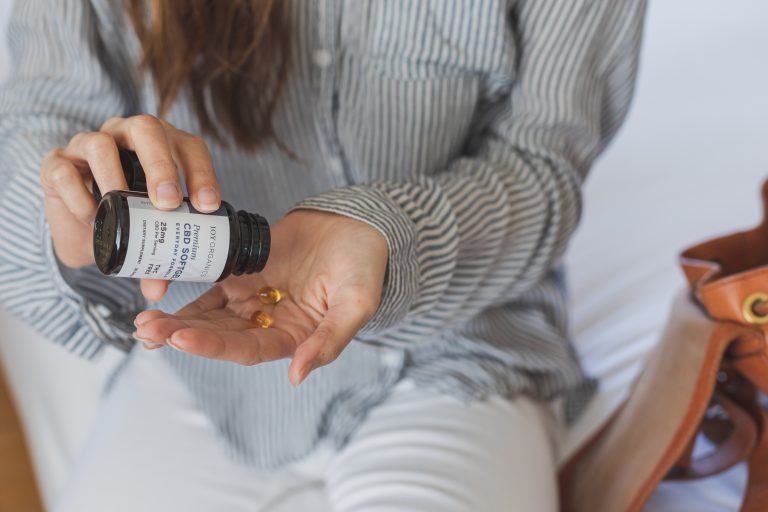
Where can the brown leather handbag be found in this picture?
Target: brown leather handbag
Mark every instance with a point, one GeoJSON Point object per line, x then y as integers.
{"type": "Point", "coordinates": [706, 377]}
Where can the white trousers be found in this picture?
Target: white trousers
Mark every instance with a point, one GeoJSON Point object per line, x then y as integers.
{"type": "Point", "coordinates": [152, 451]}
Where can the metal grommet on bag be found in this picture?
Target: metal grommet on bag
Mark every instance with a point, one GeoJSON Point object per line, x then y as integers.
{"type": "Point", "coordinates": [748, 308]}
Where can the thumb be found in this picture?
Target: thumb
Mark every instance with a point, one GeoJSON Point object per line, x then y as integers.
{"type": "Point", "coordinates": [341, 323]}
{"type": "Point", "coordinates": [153, 289]}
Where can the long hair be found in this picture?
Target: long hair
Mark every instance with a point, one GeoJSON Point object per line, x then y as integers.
{"type": "Point", "coordinates": [232, 55]}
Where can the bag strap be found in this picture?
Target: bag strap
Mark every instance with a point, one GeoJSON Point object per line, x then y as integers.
{"type": "Point", "coordinates": [737, 446]}
{"type": "Point", "coordinates": [742, 391]}
{"type": "Point", "coordinates": [756, 493]}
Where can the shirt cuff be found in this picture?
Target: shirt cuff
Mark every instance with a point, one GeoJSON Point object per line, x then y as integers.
{"type": "Point", "coordinates": [370, 205]}
{"type": "Point", "coordinates": [105, 309]}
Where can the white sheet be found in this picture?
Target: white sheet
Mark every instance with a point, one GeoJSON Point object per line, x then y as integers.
{"type": "Point", "coordinates": [686, 166]}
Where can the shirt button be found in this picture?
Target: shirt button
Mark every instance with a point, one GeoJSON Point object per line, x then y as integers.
{"type": "Point", "coordinates": [336, 165]}
{"type": "Point", "coordinates": [390, 358]}
{"type": "Point", "coordinates": [322, 58]}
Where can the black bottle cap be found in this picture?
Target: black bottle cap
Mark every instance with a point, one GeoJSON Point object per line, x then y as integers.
{"type": "Point", "coordinates": [133, 171]}
{"type": "Point", "coordinates": [261, 226]}
{"type": "Point", "coordinates": [255, 242]}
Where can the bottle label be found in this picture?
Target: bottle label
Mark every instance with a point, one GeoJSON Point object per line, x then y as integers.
{"type": "Point", "coordinates": [178, 245]}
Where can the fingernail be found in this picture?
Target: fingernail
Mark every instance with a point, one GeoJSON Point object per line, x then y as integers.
{"type": "Point", "coordinates": [208, 199]}
{"type": "Point", "coordinates": [142, 340]}
{"type": "Point", "coordinates": [168, 195]}
{"type": "Point", "coordinates": [305, 373]}
{"type": "Point", "coordinates": [152, 346]}
{"type": "Point", "coordinates": [172, 345]}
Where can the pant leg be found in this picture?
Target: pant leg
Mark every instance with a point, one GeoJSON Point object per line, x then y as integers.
{"type": "Point", "coordinates": [152, 451]}
{"type": "Point", "coordinates": [421, 451]}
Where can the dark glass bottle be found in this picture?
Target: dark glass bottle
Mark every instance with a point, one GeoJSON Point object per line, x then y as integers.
{"type": "Point", "coordinates": [133, 239]}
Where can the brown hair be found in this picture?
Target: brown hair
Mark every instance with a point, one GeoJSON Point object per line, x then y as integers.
{"type": "Point", "coordinates": [232, 55]}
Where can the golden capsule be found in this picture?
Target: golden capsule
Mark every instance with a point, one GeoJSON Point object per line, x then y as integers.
{"type": "Point", "coordinates": [269, 295]}
{"type": "Point", "coordinates": [262, 319]}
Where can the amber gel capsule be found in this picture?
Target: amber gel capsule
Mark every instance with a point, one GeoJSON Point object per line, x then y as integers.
{"type": "Point", "coordinates": [269, 295]}
{"type": "Point", "coordinates": [131, 238]}
{"type": "Point", "coordinates": [262, 319]}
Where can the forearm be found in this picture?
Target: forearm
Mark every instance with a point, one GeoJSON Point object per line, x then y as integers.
{"type": "Point", "coordinates": [489, 226]}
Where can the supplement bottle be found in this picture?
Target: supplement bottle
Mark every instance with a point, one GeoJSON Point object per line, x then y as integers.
{"type": "Point", "coordinates": [131, 238]}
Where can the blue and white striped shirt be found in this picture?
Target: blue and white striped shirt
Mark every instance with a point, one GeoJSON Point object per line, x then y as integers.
{"type": "Point", "coordinates": [461, 129]}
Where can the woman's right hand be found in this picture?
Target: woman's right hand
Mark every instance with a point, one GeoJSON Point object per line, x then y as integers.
{"type": "Point", "coordinates": [66, 176]}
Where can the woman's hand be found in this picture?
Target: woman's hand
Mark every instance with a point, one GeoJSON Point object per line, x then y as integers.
{"type": "Point", "coordinates": [330, 269]}
{"type": "Point", "coordinates": [66, 175]}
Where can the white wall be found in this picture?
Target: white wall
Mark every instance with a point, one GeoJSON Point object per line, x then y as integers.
{"type": "Point", "coordinates": [697, 132]}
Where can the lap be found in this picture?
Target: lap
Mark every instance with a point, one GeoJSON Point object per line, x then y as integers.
{"type": "Point", "coordinates": [429, 452]}
{"type": "Point", "coordinates": [152, 450]}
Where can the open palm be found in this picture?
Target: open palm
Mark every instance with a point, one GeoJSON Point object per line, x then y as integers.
{"type": "Point", "coordinates": [330, 270]}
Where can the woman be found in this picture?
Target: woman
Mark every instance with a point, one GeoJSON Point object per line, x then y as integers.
{"type": "Point", "coordinates": [421, 163]}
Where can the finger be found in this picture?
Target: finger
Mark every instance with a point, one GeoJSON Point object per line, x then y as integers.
{"type": "Point", "coordinates": [340, 324]}
{"type": "Point", "coordinates": [153, 289]}
{"type": "Point", "coordinates": [60, 178]}
{"type": "Point", "coordinates": [157, 327]}
{"type": "Point", "coordinates": [146, 135]}
{"type": "Point", "coordinates": [161, 327]}
{"type": "Point", "coordinates": [63, 188]}
{"type": "Point", "coordinates": [212, 300]}
{"type": "Point", "coordinates": [155, 314]}
{"type": "Point", "coordinates": [215, 298]}
{"type": "Point", "coordinates": [148, 345]}
{"type": "Point", "coordinates": [247, 347]}
{"type": "Point", "coordinates": [146, 316]}
{"type": "Point", "coordinates": [98, 152]}
{"type": "Point", "coordinates": [197, 166]}
{"type": "Point", "coordinates": [72, 240]}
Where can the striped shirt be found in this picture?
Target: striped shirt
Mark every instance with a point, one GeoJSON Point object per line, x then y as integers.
{"type": "Point", "coordinates": [461, 129]}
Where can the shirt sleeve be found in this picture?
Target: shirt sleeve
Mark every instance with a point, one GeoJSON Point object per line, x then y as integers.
{"type": "Point", "coordinates": [489, 227]}
{"type": "Point", "coordinates": [63, 82]}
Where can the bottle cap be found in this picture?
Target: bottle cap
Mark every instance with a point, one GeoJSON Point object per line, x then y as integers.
{"type": "Point", "coordinates": [133, 171]}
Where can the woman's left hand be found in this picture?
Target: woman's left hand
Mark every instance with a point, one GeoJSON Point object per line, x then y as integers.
{"type": "Point", "coordinates": [330, 270]}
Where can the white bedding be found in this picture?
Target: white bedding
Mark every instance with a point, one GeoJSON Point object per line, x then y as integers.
{"type": "Point", "coordinates": [686, 166]}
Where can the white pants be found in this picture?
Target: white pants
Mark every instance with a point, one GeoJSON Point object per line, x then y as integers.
{"type": "Point", "coordinates": [152, 451]}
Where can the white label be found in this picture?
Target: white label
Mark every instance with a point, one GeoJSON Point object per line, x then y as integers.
{"type": "Point", "coordinates": [178, 245]}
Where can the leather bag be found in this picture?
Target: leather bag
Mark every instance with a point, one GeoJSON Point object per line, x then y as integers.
{"type": "Point", "coordinates": [706, 377]}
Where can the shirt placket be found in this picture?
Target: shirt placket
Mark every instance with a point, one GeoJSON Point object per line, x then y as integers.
{"type": "Point", "coordinates": [326, 61]}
